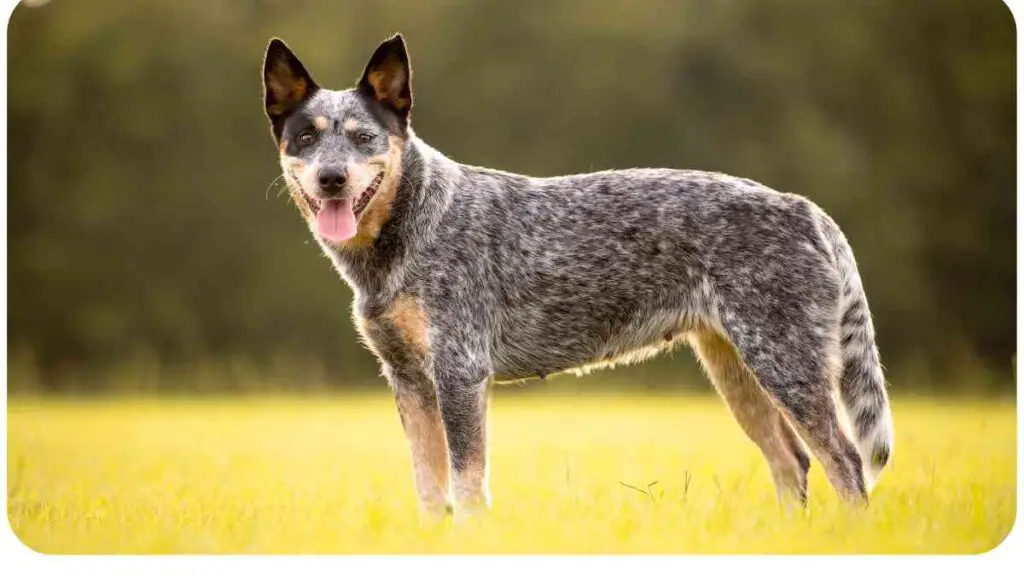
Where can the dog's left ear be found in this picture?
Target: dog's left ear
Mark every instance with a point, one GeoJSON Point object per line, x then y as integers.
{"type": "Point", "coordinates": [388, 77]}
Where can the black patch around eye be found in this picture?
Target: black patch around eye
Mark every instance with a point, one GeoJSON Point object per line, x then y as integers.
{"type": "Point", "coordinates": [297, 125]}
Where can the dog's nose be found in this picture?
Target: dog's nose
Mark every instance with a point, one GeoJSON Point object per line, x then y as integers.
{"type": "Point", "coordinates": [331, 180]}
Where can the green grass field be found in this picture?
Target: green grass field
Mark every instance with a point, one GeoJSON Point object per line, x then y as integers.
{"type": "Point", "coordinates": [332, 475]}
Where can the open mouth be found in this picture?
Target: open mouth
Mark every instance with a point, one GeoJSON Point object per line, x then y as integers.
{"type": "Point", "coordinates": [360, 204]}
{"type": "Point", "coordinates": [364, 199]}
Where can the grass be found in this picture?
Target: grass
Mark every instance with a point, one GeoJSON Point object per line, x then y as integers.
{"type": "Point", "coordinates": [577, 474]}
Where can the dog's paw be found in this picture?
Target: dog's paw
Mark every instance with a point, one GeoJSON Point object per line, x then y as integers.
{"type": "Point", "coordinates": [435, 513]}
{"type": "Point", "coordinates": [467, 510]}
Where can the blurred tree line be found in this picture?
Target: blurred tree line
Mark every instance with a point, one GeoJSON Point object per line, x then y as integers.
{"type": "Point", "coordinates": [146, 232]}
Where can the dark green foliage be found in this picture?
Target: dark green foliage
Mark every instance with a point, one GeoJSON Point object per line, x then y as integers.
{"type": "Point", "coordinates": [144, 218]}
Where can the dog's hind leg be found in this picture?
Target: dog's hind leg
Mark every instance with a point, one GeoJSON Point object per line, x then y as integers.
{"type": "Point", "coordinates": [757, 416]}
{"type": "Point", "coordinates": [796, 363]}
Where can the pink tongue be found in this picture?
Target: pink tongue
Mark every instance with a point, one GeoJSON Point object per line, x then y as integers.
{"type": "Point", "coordinates": [335, 221]}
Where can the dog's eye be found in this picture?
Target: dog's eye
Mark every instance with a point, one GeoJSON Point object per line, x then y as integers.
{"type": "Point", "coordinates": [364, 138]}
{"type": "Point", "coordinates": [305, 139]}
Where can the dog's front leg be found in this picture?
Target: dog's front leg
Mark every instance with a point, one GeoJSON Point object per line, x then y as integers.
{"type": "Point", "coordinates": [462, 395]}
{"type": "Point", "coordinates": [421, 418]}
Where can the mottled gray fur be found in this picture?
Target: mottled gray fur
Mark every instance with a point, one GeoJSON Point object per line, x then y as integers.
{"type": "Point", "coordinates": [512, 277]}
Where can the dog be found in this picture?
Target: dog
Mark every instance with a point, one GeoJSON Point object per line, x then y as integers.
{"type": "Point", "coordinates": [464, 276]}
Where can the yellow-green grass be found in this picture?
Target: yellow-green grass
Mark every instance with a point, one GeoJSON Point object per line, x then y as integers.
{"type": "Point", "coordinates": [333, 475]}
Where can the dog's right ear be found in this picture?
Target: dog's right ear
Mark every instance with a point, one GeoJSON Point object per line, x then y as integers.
{"type": "Point", "coordinates": [286, 84]}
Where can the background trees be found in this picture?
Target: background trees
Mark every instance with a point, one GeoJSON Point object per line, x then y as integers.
{"type": "Point", "coordinates": [143, 221]}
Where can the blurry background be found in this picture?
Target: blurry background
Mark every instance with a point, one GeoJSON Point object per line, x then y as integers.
{"type": "Point", "coordinates": [151, 250]}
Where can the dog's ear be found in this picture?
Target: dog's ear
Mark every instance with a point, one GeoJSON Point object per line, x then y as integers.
{"type": "Point", "coordinates": [388, 77]}
{"type": "Point", "coordinates": [286, 84]}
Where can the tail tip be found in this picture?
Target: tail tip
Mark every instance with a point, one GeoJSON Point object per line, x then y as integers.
{"type": "Point", "coordinates": [880, 456]}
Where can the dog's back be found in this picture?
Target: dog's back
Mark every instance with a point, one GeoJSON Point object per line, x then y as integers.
{"type": "Point", "coordinates": [582, 269]}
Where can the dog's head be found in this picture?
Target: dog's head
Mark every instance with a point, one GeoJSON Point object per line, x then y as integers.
{"type": "Point", "coordinates": [341, 150]}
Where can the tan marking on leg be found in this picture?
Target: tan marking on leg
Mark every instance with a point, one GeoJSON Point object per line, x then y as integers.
{"type": "Point", "coordinates": [407, 315]}
{"type": "Point", "coordinates": [421, 419]}
{"type": "Point", "coordinates": [322, 123]}
{"type": "Point", "coordinates": [350, 125]}
{"type": "Point", "coordinates": [821, 427]}
{"type": "Point", "coordinates": [379, 211]}
{"type": "Point", "coordinates": [471, 486]}
{"type": "Point", "coordinates": [429, 450]}
{"type": "Point", "coordinates": [762, 422]}
{"type": "Point", "coordinates": [836, 453]}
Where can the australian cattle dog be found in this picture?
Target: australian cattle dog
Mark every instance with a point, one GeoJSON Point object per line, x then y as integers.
{"type": "Point", "coordinates": [465, 276]}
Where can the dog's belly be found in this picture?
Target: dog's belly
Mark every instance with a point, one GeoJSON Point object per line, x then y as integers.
{"type": "Point", "coordinates": [587, 364]}
{"type": "Point", "coordinates": [525, 354]}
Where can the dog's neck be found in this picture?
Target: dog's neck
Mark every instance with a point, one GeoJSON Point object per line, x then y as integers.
{"type": "Point", "coordinates": [424, 193]}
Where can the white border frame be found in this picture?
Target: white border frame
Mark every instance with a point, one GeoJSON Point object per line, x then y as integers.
{"type": "Point", "coordinates": [17, 558]}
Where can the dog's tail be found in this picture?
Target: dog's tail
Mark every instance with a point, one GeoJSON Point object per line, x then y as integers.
{"type": "Point", "coordinates": [862, 383]}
